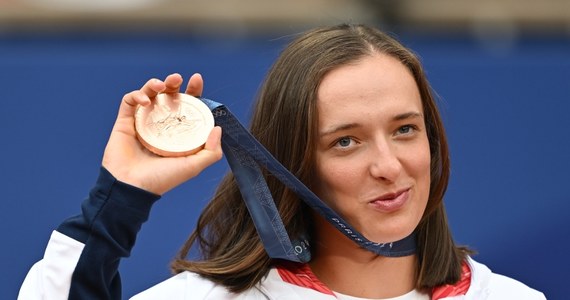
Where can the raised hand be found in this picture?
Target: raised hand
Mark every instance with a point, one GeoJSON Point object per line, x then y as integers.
{"type": "Point", "coordinates": [131, 163]}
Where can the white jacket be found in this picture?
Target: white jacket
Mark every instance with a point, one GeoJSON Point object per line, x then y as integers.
{"type": "Point", "coordinates": [82, 258]}
{"type": "Point", "coordinates": [190, 286]}
{"type": "Point", "coordinates": [50, 278]}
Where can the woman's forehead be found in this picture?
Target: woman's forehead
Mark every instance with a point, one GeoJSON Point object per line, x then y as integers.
{"type": "Point", "coordinates": [374, 82]}
{"type": "Point", "coordinates": [372, 73]}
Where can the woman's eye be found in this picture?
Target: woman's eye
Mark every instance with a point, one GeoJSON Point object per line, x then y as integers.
{"type": "Point", "coordinates": [406, 129]}
{"type": "Point", "coordinates": [344, 142]}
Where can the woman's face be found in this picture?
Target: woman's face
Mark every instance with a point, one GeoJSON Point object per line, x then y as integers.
{"type": "Point", "coordinates": [373, 158]}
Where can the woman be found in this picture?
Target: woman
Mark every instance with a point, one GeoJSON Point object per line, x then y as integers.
{"type": "Point", "coordinates": [367, 139]}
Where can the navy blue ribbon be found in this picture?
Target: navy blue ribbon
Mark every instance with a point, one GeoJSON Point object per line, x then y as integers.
{"type": "Point", "coordinates": [245, 155]}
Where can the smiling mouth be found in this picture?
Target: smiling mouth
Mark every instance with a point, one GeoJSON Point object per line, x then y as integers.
{"type": "Point", "coordinates": [391, 202]}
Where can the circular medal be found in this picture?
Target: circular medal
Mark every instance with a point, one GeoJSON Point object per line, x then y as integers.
{"type": "Point", "coordinates": [174, 124]}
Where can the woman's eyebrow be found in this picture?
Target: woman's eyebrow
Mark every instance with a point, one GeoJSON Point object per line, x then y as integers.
{"type": "Point", "coordinates": [337, 128]}
{"type": "Point", "coordinates": [408, 115]}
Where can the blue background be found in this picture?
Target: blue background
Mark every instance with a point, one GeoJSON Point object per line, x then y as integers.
{"type": "Point", "coordinates": [506, 109]}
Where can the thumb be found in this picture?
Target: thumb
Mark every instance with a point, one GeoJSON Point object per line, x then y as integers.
{"type": "Point", "coordinates": [211, 153]}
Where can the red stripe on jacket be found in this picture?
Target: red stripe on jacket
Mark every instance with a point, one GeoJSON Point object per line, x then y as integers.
{"type": "Point", "coordinates": [301, 275]}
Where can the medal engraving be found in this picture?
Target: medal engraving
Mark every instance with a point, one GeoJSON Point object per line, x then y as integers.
{"type": "Point", "coordinates": [174, 124]}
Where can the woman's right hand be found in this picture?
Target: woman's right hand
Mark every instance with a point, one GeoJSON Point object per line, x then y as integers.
{"type": "Point", "coordinates": [130, 162]}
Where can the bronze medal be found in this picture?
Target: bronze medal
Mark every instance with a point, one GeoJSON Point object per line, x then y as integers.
{"type": "Point", "coordinates": [174, 124]}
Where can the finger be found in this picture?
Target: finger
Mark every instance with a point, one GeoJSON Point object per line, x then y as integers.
{"type": "Point", "coordinates": [212, 151]}
{"type": "Point", "coordinates": [195, 85]}
{"type": "Point", "coordinates": [173, 83]}
{"type": "Point", "coordinates": [130, 103]}
{"type": "Point", "coordinates": [214, 140]}
{"type": "Point", "coordinates": [152, 87]}
{"type": "Point", "coordinates": [142, 97]}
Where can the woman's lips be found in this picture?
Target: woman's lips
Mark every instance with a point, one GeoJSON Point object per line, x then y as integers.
{"type": "Point", "coordinates": [391, 202]}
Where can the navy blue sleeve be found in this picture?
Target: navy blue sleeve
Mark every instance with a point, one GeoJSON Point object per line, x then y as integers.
{"type": "Point", "coordinates": [111, 217]}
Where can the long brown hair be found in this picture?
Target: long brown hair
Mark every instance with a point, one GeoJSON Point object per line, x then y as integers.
{"type": "Point", "coordinates": [284, 120]}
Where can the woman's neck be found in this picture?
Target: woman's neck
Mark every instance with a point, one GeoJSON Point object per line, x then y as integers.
{"type": "Point", "coordinates": [348, 269]}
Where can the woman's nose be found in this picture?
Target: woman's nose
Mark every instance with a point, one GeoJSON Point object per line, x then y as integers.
{"type": "Point", "coordinates": [384, 162]}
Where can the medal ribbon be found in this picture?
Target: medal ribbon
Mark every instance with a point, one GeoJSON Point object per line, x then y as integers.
{"type": "Point", "coordinates": [245, 155]}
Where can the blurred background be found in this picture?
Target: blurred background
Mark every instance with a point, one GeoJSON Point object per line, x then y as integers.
{"type": "Point", "coordinates": [500, 67]}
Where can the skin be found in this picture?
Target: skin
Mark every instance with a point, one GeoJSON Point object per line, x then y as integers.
{"type": "Point", "coordinates": [372, 144]}
{"type": "Point", "coordinates": [131, 163]}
